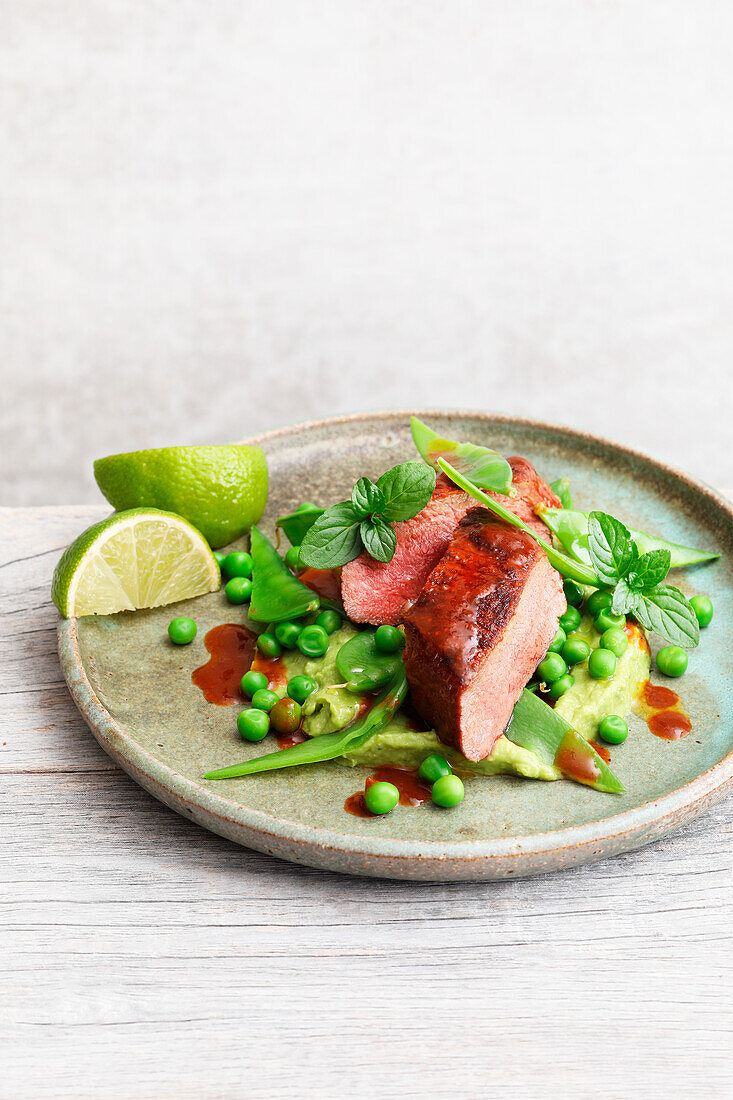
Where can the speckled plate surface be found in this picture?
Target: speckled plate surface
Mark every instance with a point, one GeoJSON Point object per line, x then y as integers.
{"type": "Point", "coordinates": [134, 688]}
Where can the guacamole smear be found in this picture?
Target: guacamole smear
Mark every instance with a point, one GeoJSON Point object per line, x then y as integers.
{"type": "Point", "coordinates": [589, 700]}
{"type": "Point", "coordinates": [332, 707]}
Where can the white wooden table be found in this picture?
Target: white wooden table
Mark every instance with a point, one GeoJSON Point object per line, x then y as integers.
{"type": "Point", "coordinates": [144, 957]}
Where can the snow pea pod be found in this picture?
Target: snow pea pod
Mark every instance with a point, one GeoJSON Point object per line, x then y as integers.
{"type": "Point", "coordinates": [537, 727]}
{"type": "Point", "coordinates": [276, 594]}
{"type": "Point", "coordinates": [485, 467]}
{"type": "Point", "coordinates": [561, 489]}
{"type": "Point", "coordinates": [298, 523]}
{"type": "Point", "coordinates": [364, 665]}
{"type": "Point", "coordinates": [571, 529]}
{"type": "Point", "coordinates": [327, 746]}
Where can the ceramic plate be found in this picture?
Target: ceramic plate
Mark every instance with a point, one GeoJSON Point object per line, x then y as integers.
{"type": "Point", "coordinates": [134, 688]}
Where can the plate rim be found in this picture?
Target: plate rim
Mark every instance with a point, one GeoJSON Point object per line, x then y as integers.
{"type": "Point", "coordinates": [318, 846]}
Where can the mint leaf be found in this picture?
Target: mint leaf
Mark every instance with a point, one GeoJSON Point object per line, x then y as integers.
{"type": "Point", "coordinates": [623, 599]}
{"type": "Point", "coordinates": [612, 551]}
{"type": "Point", "coordinates": [406, 490]}
{"type": "Point", "coordinates": [366, 497]}
{"type": "Point", "coordinates": [667, 611]}
{"type": "Point", "coordinates": [480, 465]}
{"type": "Point", "coordinates": [649, 570]}
{"type": "Point", "coordinates": [333, 539]}
{"type": "Point", "coordinates": [379, 538]}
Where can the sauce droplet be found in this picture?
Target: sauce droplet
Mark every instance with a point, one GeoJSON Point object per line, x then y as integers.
{"type": "Point", "coordinates": [413, 792]}
{"type": "Point", "coordinates": [575, 759]}
{"type": "Point", "coordinates": [602, 751]}
{"type": "Point", "coordinates": [658, 697]}
{"type": "Point", "coordinates": [669, 724]}
{"type": "Point", "coordinates": [663, 713]}
{"type": "Point", "coordinates": [356, 805]}
{"type": "Point", "coordinates": [231, 647]}
{"type": "Point", "coordinates": [287, 740]}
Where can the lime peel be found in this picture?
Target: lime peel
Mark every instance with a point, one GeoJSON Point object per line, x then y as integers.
{"type": "Point", "coordinates": [143, 557]}
{"type": "Point", "coordinates": [220, 489]}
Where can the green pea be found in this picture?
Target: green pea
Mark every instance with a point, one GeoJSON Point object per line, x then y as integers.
{"type": "Point", "coordinates": [613, 729]}
{"type": "Point", "coordinates": [237, 564]}
{"type": "Point", "coordinates": [561, 685]}
{"type": "Point", "coordinates": [219, 555]}
{"type": "Point", "coordinates": [253, 681]}
{"type": "Point", "coordinates": [573, 592]}
{"type": "Point", "coordinates": [264, 699]}
{"type": "Point", "coordinates": [570, 620]}
{"type": "Point", "coordinates": [388, 639]}
{"type": "Point", "coordinates": [238, 590]}
{"type": "Point", "coordinates": [598, 601]}
{"type": "Point", "coordinates": [288, 633]}
{"type": "Point", "coordinates": [313, 641]}
{"type": "Point", "coordinates": [703, 608]}
{"type": "Point", "coordinates": [558, 641]}
{"type": "Point", "coordinates": [615, 640]}
{"type": "Point", "coordinates": [602, 664]}
{"type": "Point", "coordinates": [292, 558]}
{"type": "Point", "coordinates": [268, 645]}
{"type": "Point", "coordinates": [447, 791]}
{"type": "Point", "coordinates": [575, 650]}
{"type": "Point", "coordinates": [330, 621]}
{"type": "Point", "coordinates": [285, 715]}
{"type": "Point", "coordinates": [552, 668]}
{"type": "Point", "coordinates": [300, 687]}
{"type": "Point", "coordinates": [433, 767]}
{"type": "Point", "coordinates": [253, 725]}
{"type": "Point", "coordinates": [606, 619]}
{"type": "Point", "coordinates": [305, 506]}
{"type": "Point", "coordinates": [181, 631]}
{"type": "Point", "coordinates": [381, 798]}
{"type": "Point", "coordinates": [672, 660]}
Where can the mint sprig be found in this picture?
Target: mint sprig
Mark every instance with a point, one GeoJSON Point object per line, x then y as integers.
{"type": "Point", "coordinates": [636, 580]}
{"type": "Point", "coordinates": [365, 521]}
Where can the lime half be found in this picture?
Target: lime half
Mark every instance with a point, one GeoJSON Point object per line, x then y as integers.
{"type": "Point", "coordinates": [140, 558]}
{"type": "Point", "coordinates": [221, 490]}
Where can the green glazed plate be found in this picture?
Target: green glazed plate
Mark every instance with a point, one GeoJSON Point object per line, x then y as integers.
{"type": "Point", "coordinates": [134, 688]}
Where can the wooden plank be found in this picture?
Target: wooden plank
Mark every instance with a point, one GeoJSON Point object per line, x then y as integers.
{"type": "Point", "coordinates": [143, 957]}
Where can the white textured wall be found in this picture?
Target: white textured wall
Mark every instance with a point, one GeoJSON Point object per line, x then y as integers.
{"type": "Point", "coordinates": [218, 216]}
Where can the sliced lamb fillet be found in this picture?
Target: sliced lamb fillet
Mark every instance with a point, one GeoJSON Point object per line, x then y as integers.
{"type": "Point", "coordinates": [377, 592]}
{"type": "Point", "coordinates": [486, 616]}
{"type": "Point", "coordinates": [381, 592]}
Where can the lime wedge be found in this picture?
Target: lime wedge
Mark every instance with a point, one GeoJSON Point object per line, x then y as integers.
{"type": "Point", "coordinates": [134, 559]}
{"type": "Point", "coordinates": [221, 490]}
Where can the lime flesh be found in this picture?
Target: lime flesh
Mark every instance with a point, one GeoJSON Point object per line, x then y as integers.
{"type": "Point", "coordinates": [134, 559]}
{"type": "Point", "coordinates": [221, 490]}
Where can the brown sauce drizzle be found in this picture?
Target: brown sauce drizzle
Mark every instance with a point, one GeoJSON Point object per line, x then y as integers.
{"type": "Point", "coordinates": [287, 740]}
{"type": "Point", "coordinates": [231, 647]}
{"type": "Point", "coordinates": [657, 697]}
{"type": "Point", "coordinates": [602, 751]}
{"type": "Point", "coordinates": [636, 636]}
{"type": "Point", "coordinates": [413, 792]}
{"type": "Point", "coordinates": [663, 713]}
{"type": "Point", "coordinates": [577, 764]}
{"type": "Point", "coordinates": [324, 582]}
{"type": "Point", "coordinates": [670, 724]}
{"type": "Point", "coordinates": [273, 668]}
